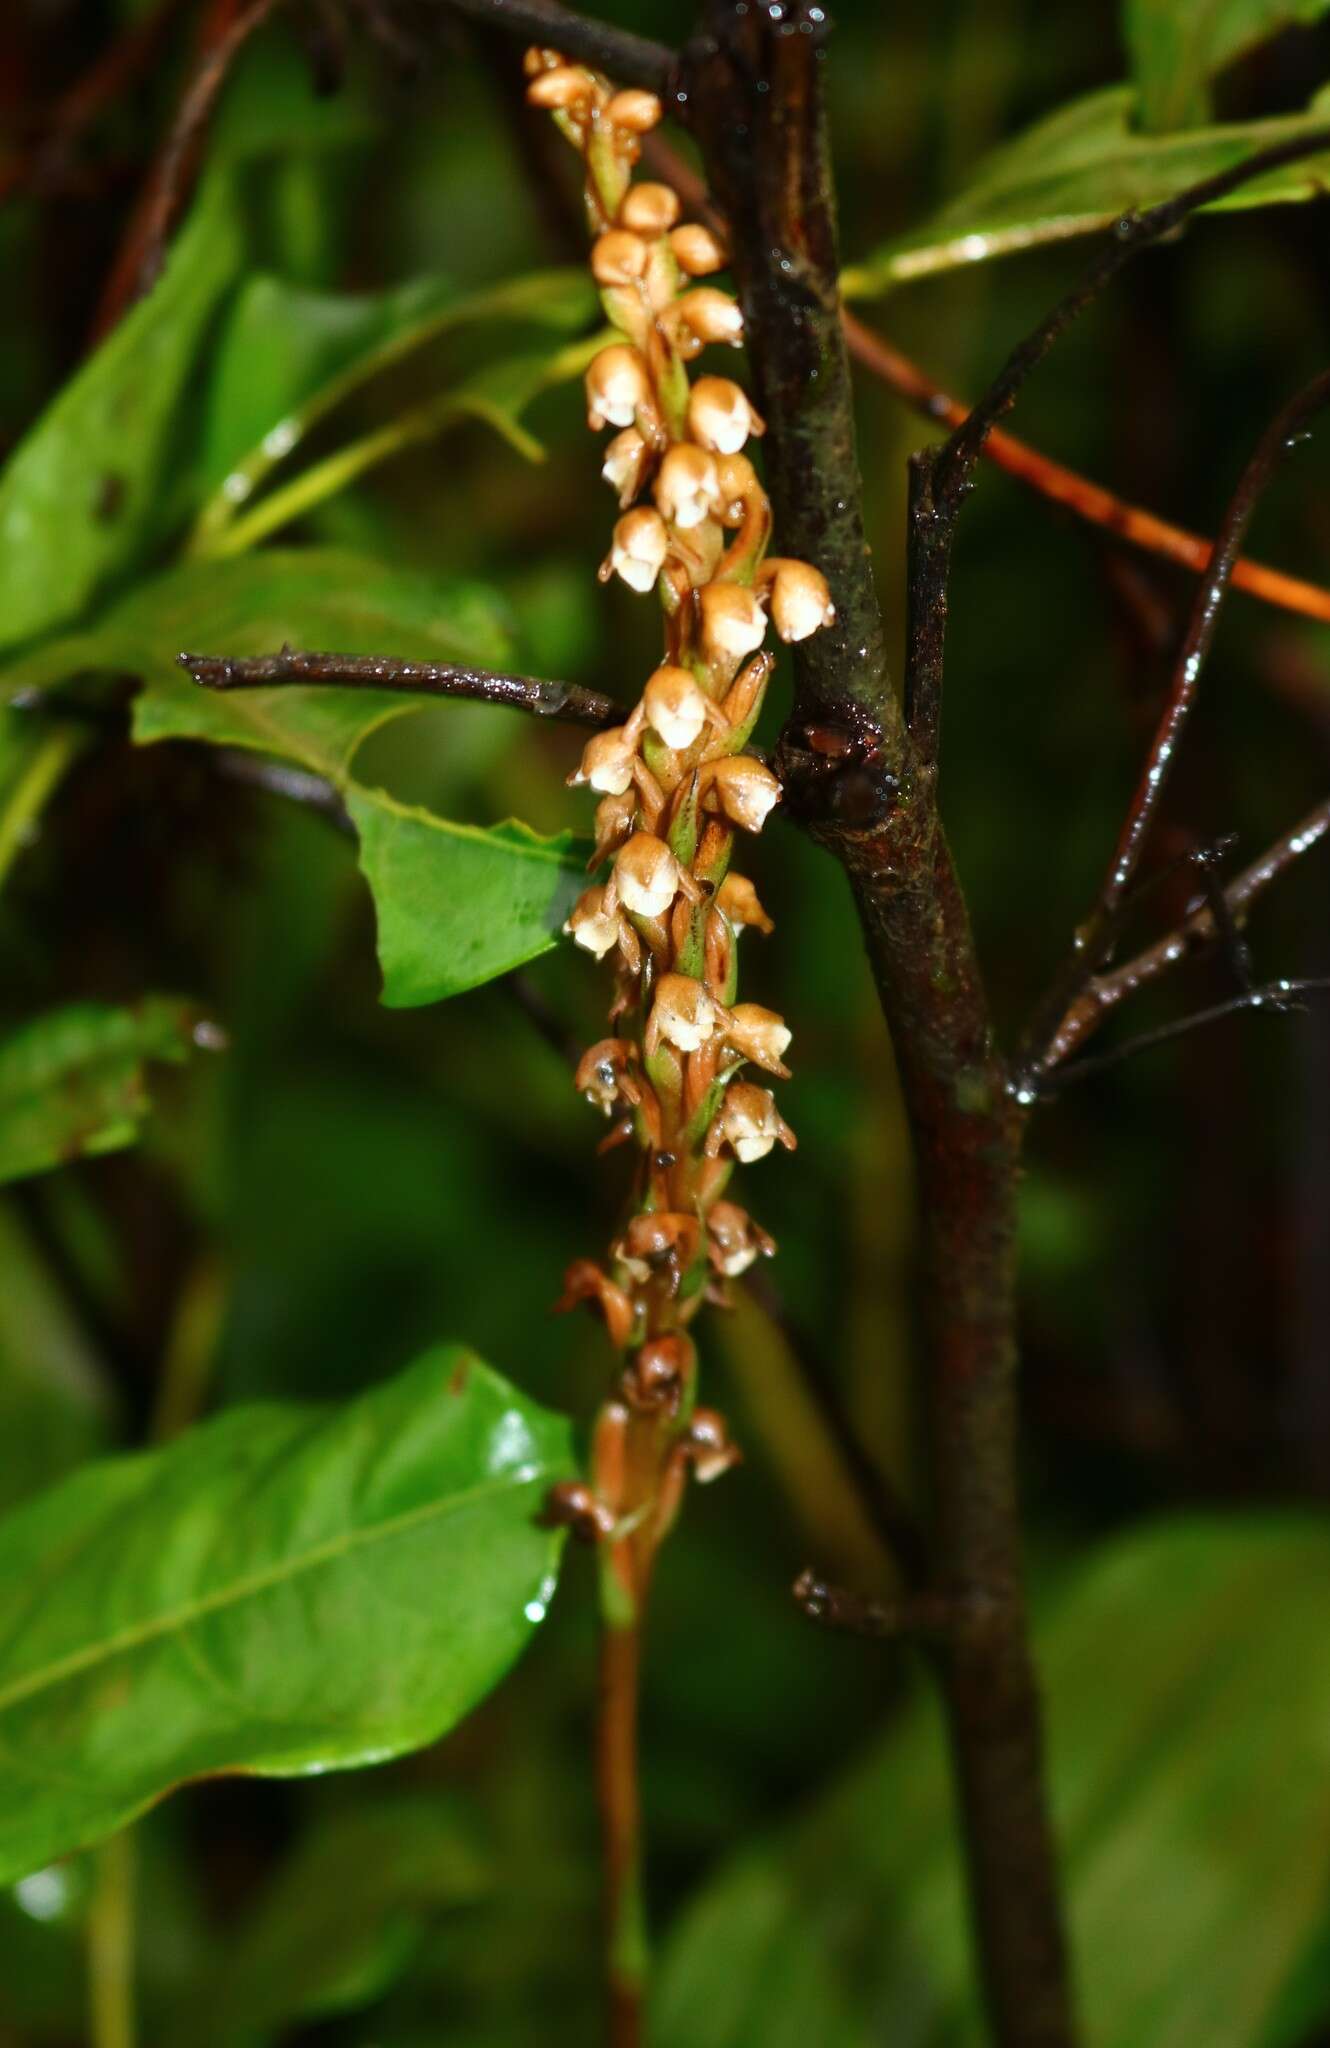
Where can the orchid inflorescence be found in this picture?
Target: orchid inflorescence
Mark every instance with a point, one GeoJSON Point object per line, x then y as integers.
{"type": "Point", "coordinates": [675, 781]}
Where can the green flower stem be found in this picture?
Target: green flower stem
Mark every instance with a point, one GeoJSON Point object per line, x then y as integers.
{"type": "Point", "coordinates": [29, 795]}
{"type": "Point", "coordinates": [111, 2013]}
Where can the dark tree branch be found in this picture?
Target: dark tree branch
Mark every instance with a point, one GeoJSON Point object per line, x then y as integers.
{"type": "Point", "coordinates": [1195, 935]}
{"type": "Point", "coordinates": [415, 678]}
{"type": "Point", "coordinates": [629, 59]}
{"type": "Point", "coordinates": [855, 779]}
{"type": "Point", "coordinates": [280, 778]}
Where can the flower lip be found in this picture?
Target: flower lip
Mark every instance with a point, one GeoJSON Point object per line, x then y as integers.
{"type": "Point", "coordinates": [617, 385]}
{"type": "Point", "coordinates": [688, 486]}
{"type": "Point", "coordinates": [641, 543]}
{"type": "Point", "coordinates": [683, 1013]}
{"type": "Point", "coordinates": [646, 875]}
{"type": "Point", "coordinates": [733, 622]}
{"type": "Point", "coordinates": [721, 416]}
{"type": "Point", "coordinates": [675, 706]}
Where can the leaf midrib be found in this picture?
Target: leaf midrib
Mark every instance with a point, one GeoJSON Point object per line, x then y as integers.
{"type": "Point", "coordinates": [328, 1552]}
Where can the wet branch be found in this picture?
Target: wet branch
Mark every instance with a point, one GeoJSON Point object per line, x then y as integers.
{"type": "Point", "coordinates": [629, 59]}
{"type": "Point", "coordinates": [413, 678]}
{"type": "Point", "coordinates": [918, 1615]}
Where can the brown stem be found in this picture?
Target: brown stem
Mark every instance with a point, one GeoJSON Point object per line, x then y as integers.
{"type": "Point", "coordinates": [837, 1607]}
{"type": "Point", "coordinates": [415, 678]}
{"type": "Point", "coordinates": [856, 780]}
{"type": "Point", "coordinates": [617, 1786]}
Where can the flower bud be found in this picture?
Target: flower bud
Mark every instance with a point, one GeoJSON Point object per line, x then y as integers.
{"type": "Point", "coordinates": [663, 1236]}
{"type": "Point", "coordinates": [719, 415]}
{"type": "Point", "coordinates": [745, 790]}
{"type": "Point", "coordinates": [800, 598]}
{"type": "Point", "coordinates": [617, 383]}
{"type": "Point", "coordinates": [711, 315]}
{"type": "Point", "coordinates": [607, 761]}
{"type": "Point", "coordinates": [571, 1505]}
{"type": "Point", "coordinates": [733, 621]}
{"type": "Point", "coordinates": [688, 487]}
{"type": "Point", "coordinates": [683, 1013]}
{"type": "Point", "coordinates": [760, 1035]}
{"type": "Point", "coordinates": [649, 209]}
{"type": "Point", "coordinates": [675, 706]}
{"type": "Point", "coordinates": [707, 1439]}
{"type": "Point", "coordinates": [614, 821]}
{"type": "Point", "coordinates": [654, 1380]}
{"type": "Point", "coordinates": [696, 250]}
{"type": "Point", "coordinates": [646, 875]}
{"type": "Point", "coordinates": [641, 543]}
{"type": "Point", "coordinates": [592, 926]}
{"type": "Point", "coordinates": [625, 464]}
{"type": "Point", "coordinates": [618, 257]}
{"type": "Point", "coordinates": [634, 110]}
{"type": "Point", "coordinates": [734, 1241]}
{"type": "Point", "coordinates": [738, 899]}
{"type": "Point", "coordinates": [750, 1123]}
{"type": "Point", "coordinates": [564, 86]}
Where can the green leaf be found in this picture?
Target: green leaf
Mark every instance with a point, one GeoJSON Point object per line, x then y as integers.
{"type": "Point", "coordinates": [1187, 1679]}
{"type": "Point", "coordinates": [54, 1411]}
{"type": "Point", "coordinates": [72, 1082]}
{"type": "Point", "coordinates": [1077, 170]}
{"type": "Point", "coordinates": [283, 1590]}
{"type": "Point", "coordinates": [340, 1919]}
{"type": "Point", "coordinates": [456, 904]}
{"type": "Point", "coordinates": [1177, 46]}
{"type": "Point", "coordinates": [83, 496]}
{"type": "Point", "coordinates": [288, 357]}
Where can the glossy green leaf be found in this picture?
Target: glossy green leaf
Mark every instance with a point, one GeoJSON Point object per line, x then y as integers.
{"type": "Point", "coordinates": [456, 904]}
{"type": "Point", "coordinates": [54, 1411]}
{"type": "Point", "coordinates": [1177, 46]}
{"type": "Point", "coordinates": [340, 1919]}
{"type": "Point", "coordinates": [282, 1590]}
{"type": "Point", "coordinates": [1077, 170]}
{"type": "Point", "coordinates": [82, 496]}
{"type": "Point", "coordinates": [288, 357]}
{"type": "Point", "coordinates": [1187, 1682]}
{"type": "Point", "coordinates": [73, 1082]}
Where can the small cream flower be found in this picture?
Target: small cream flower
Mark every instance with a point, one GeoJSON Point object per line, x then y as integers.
{"type": "Point", "coordinates": [688, 487]}
{"type": "Point", "coordinates": [646, 875]}
{"type": "Point", "coordinates": [618, 257]}
{"type": "Point", "coordinates": [634, 110]}
{"type": "Point", "coordinates": [696, 250]}
{"type": "Point", "coordinates": [749, 1123]}
{"type": "Point", "coordinates": [683, 1013]}
{"type": "Point", "coordinates": [737, 898]}
{"type": "Point", "coordinates": [607, 761]}
{"type": "Point", "coordinates": [760, 1035]}
{"type": "Point", "coordinates": [800, 598]}
{"type": "Point", "coordinates": [614, 821]}
{"type": "Point", "coordinates": [649, 209]}
{"type": "Point", "coordinates": [711, 315]}
{"type": "Point", "coordinates": [734, 1241]}
{"type": "Point", "coordinates": [617, 385]}
{"type": "Point", "coordinates": [733, 621]}
{"type": "Point", "coordinates": [641, 543]}
{"type": "Point", "coordinates": [675, 705]}
{"type": "Point", "coordinates": [564, 86]}
{"type": "Point", "coordinates": [592, 926]}
{"type": "Point", "coordinates": [625, 464]}
{"type": "Point", "coordinates": [744, 789]}
{"type": "Point", "coordinates": [720, 416]}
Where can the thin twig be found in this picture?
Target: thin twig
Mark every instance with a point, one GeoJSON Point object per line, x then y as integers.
{"type": "Point", "coordinates": [836, 1607]}
{"type": "Point", "coordinates": [96, 89]}
{"type": "Point", "coordinates": [1194, 935]}
{"type": "Point", "coordinates": [629, 59]}
{"type": "Point", "coordinates": [143, 249]}
{"type": "Point", "coordinates": [1094, 936]}
{"type": "Point", "coordinates": [414, 678]}
{"type": "Point", "coordinates": [280, 778]}
{"type": "Point", "coordinates": [1277, 996]}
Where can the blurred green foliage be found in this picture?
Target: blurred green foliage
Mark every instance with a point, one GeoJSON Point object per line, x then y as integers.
{"type": "Point", "coordinates": [350, 1183]}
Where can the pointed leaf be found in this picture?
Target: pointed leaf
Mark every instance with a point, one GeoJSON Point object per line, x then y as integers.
{"type": "Point", "coordinates": [1177, 46]}
{"type": "Point", "coordinates": [456, 904]}
{"type": "Point", "coordinates": [1077, 170]}
{"type": "Point", "coordinates": [1187, 1678]}
{"type": "Point", "coordinates": [283, 1590]}
{"type": "Point", "coordinates": [72, 1082]}
{"type": "Point", "coordinates": [81, 497]}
